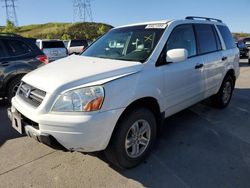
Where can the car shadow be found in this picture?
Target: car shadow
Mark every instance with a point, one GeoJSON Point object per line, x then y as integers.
{"type": "Point", "coordinates": [6, 130]}
{"type": "Point", "coordinates": [200, 147]}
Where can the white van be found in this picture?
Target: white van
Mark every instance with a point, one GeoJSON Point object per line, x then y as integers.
{"type": "Point", "coordinates": [115, 96]}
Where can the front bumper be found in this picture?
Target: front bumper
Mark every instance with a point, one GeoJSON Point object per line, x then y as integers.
{"type": "Point", "coordinates": [36, 134]}
{"type": "Point", "coordinates": [76, 132]}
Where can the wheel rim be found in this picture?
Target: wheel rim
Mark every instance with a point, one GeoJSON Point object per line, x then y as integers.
{"type": "Point", "coordinates": [138, 138]}
{"type": "Point", "coordinates": [227, 91]}
{"type": "Point", "coordinates": [15, 88]}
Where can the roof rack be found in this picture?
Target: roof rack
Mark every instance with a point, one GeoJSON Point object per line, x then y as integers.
{"type": "Point", "coordinates": [10, 35]}
{"type": "Point", "coordinates": [202, 18]}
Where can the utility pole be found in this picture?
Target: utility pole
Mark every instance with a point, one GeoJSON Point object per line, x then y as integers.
{"type": "Point", "coordinates": [10, 8]}
{"type": "Point", "coordinates": [82, 10]}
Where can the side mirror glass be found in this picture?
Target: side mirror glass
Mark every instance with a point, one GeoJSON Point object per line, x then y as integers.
{"type": "Point", "coordinates": [176, 55]}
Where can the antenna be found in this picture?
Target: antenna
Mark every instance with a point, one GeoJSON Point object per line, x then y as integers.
{"type": "Point", "coordinates": [82, 10]}
{"type": "Point", "coordinates": [10, 8]}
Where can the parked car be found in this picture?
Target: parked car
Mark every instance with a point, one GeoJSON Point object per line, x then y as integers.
{"type": "Point", "coordinates": [18, 56]}
{"type": "Point", "coordinates": [54, 49]}
{"type": "Point", "coordinates": [76, 46]}
{"type": "Point", "coordinates": [243, 48]}
{"type": "Point", "coordinates": [115, 96]}
{"type": "Point", "coordinates": [247, 42]}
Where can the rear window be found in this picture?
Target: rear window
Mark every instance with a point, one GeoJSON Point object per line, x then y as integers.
{"type": "Point", "coordinates": [53, 44]}
{"type": "Point", "coordinates": [78, 43]}
{"type": "Point", "coordinates": [16, 48]}
{"type": "Point", "coordinates": [207, 38]}
{"type": "Point", "coordinates": [227, 36]}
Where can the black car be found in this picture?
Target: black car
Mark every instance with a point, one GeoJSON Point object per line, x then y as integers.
{"type": "Point", "coordinates": [247, 42]}
{"type": "Point", "coordinates": [18, 56]}
{"type": "Point", "coordinates": [243, 48]}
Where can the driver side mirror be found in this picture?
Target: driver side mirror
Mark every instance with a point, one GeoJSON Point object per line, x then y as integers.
{"type": "Point", "coordinates": [176, 55]}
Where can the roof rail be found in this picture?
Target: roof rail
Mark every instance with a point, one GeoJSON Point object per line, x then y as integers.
{"type": "Point", "coordinates": [10, 35]}
{"type": "Point", "coordinates": [202, 18]}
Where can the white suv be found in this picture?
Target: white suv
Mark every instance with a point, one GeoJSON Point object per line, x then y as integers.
{"type": "Point", "coordinates": [54, 49]}
{"type": "Point", "coordinates": [115, 95]}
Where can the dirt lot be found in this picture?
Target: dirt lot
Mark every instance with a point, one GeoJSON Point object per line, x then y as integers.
{"type": "Point", "coordinates": [199, 147]}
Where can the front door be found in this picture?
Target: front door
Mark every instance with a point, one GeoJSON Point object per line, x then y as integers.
{"type": "Point", "coordinates": [184, 82]}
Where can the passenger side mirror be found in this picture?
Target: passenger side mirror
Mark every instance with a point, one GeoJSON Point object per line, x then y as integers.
{"type": "Point", "coordinates": [176, 55]}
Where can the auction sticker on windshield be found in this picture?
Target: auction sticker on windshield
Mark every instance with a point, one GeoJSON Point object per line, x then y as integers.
{"type": "Point", "coordinates": [156, 26]}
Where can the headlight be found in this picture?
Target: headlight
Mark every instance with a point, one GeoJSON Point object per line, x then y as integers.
{"type": "Point", "coordinates": [80, 100]}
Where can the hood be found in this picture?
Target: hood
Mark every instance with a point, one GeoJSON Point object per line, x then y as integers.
{"type": "Point", "coordinates": [76, 70]}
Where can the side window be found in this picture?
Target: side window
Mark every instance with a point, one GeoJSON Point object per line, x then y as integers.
{"type": "Point", "coordinates": [206, 38]}
{"type": "Point", "coordinates": [16, 48]}
{"type": "Point", "coordinates": [227, 36]}
{"type": "Point", "coordinates": [183, 37]}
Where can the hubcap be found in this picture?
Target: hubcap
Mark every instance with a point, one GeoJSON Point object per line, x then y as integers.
{"type": "Point", "coordinates": [227, 91]}
{"type": "Point", "coordinates": [137, 138]}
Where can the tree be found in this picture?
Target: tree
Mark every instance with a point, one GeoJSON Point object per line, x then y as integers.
{"type": "Point", "coordinates": [10, 27]}
{"type": "Point", "coordinates": [102, 29]}
{"type": "Point", "coordinates": [65, 37]}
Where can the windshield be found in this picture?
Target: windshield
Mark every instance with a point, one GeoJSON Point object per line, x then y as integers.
{"type": "Point", "coordinates": [134, 43]}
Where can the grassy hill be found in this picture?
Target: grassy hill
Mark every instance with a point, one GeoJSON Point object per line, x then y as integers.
{"type": "Point", "coordinates": [241, 35]}
{"type": "Point", "coordinates": [81, 30]}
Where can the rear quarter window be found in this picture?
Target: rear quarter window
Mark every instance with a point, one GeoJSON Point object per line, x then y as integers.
{"type": "Point", "coordinates": [53, 44]}
{"type": "Point", "coordinates": [227, 36]}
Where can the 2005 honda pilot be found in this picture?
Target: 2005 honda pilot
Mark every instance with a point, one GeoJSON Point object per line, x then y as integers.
{"type": "Point", "coordinates": [115, 95]}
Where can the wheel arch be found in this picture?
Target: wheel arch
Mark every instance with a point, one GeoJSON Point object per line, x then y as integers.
{"type": "Point", "coordinates": [146, 102]}
{"type": "Point", "coordinates": [231, 73]}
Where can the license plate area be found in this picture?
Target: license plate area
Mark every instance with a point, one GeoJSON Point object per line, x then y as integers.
{"type": "Point", "coordinates": [17, 122]}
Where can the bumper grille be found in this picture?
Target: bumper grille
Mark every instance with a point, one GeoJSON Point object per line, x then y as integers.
{"type": "Point", "coordinates": [31, 94]}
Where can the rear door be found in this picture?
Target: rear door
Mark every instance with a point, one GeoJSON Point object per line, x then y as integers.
{"type": "Point", "coordinates": [17, 53]}
{"type": "Point", "coordinates": [210, 50]}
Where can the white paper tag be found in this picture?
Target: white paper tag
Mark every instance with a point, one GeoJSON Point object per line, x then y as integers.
{"type": "Point", "coordinates": [156, 26]}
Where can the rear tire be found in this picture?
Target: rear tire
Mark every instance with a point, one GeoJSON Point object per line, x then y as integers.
{"type": "Point", "coordinates": [12, 88]}
{"type": "Point", "coordinates": [223, 97]}
{"type": "Point", "coordinates": [133, 139]}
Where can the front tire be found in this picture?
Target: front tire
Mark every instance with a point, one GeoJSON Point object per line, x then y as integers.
{"type": "Point", "coordinates": [223, 97]}
{"type": "Point", "coordinates": [133, 139]}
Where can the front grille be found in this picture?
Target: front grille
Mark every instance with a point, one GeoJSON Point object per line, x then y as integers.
{"type": "Point", "coordinates": [31, 94]}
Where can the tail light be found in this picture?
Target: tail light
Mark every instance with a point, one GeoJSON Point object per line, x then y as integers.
{"type": "Point", "coordinates": [43, 58]}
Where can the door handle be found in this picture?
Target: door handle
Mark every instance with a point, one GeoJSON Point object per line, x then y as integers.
{"type": "Point", "coordinates": [224, 58]}
{"type": "Point", "coordinates": [4, 64]}
{"type": "Point", "coordinates": [198, 66]}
